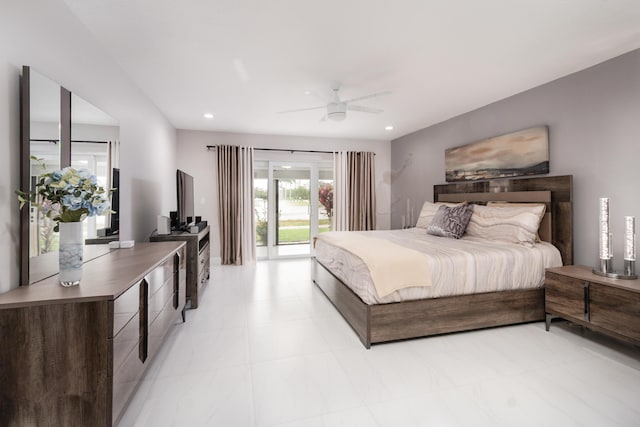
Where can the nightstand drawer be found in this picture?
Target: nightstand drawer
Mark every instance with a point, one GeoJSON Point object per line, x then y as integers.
{"type": "Point", "coordinates": [565, 296]}
{"type": "Point", "coordinates": [616, 310]}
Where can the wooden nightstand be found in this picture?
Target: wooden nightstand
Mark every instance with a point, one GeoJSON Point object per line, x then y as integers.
{"type": "Point", "coordinates": [603, 305]}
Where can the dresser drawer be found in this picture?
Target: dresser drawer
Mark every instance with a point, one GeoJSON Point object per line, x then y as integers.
{"type": "Point", "coordinates": [159, 299]}
{"type": "Point", "coordinates": [125, 307]}
{"type": "Point", "coordinates": [159, 275]}
{"type": "Point", "coordinates": [166, 318]}
{"type": "Point", "coordinates": [126, 341]}
{"type": "Point", "coordinates": [125, 380]}
{"type": "Point", "coordinates": [565, 296]}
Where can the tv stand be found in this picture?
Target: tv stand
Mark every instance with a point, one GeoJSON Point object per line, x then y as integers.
{"type": "Point", "coordinates": [101, 240]}
{"type": "Point", "coordinates": [198, 254]}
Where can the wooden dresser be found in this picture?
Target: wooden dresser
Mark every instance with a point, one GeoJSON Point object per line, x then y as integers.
{"type": "Point", "coordinates": [198, 254]}
{"type": "Point", "coordinates": [608, 306]}
{"type": "Point", "coordinates": [74, 356]}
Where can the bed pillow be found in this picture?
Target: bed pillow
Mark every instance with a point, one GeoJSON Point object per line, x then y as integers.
{"type": "Point", "coordinates": [450, 221]}
{"type": "Point", "coordinates": [428, 211]}
{"type": "Point", "coordinates": [513, 224]}
{"type": "Point", "coordinates": [542, 208]}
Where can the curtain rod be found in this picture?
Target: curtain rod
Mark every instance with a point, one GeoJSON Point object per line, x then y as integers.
{"type": "Point", "coordinates": [55, 141]}
{"type": "Point", "coordinates": [211, 147]}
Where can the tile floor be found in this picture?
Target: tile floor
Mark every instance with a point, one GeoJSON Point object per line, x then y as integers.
{"type": "Point", "coordinates": [266, 348]}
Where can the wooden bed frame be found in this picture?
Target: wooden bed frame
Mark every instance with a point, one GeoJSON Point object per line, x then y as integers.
{"type": "Point", "coordinates": [410, 319]}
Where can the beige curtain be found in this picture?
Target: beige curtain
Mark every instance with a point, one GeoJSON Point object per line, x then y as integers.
{"type": "Point", "coordinates": [362, 191]}
{"type": "Point", "coordinates": [235, 204]}
{"type": "Point", "coordinates": [340, 218]}
{"type": "Point", "coordinates": [354, 191]}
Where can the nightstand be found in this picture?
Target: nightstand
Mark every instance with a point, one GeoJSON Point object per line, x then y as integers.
{"type": "Point", "coordinates": [608, 306]}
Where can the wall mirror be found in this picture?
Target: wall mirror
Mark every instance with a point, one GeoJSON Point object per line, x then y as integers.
{"type": "Point", "coordinates": [62, 129]}
{"type": "Point", "coordinates": [94, 145]}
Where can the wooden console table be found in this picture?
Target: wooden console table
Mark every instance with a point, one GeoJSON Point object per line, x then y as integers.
{"type": "Point", "coordinates": [608, 306]}
{"type": "Point", "coordinates": [74, 356]}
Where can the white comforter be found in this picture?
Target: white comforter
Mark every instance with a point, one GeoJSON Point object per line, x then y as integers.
{"type": "Point", "coordinates": [465, 266]}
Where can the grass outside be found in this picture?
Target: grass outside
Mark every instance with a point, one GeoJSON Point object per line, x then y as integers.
{"type": "Point", "coordinates": [302, 222]}
{"type": "Point", "coordinates": [298, 235]}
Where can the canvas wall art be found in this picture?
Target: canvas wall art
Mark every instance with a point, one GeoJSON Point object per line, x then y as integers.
{"type": "Point", "coordinates": [525, 152]}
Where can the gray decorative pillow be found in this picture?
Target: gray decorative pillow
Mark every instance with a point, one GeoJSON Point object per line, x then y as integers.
{"type": "Point", "coordinates": [450, 221]}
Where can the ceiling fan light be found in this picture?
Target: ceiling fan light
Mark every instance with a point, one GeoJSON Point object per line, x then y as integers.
{"type": "Point", "coordinates": [336, 111]}
{"type": "Point", "coordinates": [337, 116]}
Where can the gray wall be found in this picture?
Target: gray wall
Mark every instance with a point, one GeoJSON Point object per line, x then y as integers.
{"type": "Point", "coordinates": [594, 135]}
{"type": "Point", "coordinates": [45, 35]}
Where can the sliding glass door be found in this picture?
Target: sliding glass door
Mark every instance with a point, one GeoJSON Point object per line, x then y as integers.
{"type": "Point", "coordinates": [293, 204]}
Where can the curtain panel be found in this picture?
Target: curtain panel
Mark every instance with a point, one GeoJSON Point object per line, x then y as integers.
{"type": "Point", "coordinates": [340, 192]}
{"type": "Point", "coordinates": [235, 204]}
{"type": "Point", "coordinates": [362, 192]}
{"type": "Point", "coordinates": [354, 191]}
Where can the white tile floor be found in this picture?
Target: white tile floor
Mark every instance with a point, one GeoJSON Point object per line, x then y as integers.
{"type": "Point", "coordinates": [266, 348]}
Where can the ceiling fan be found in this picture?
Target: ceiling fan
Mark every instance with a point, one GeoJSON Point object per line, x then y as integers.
{"type": "Point", "coordinates": [337, 109]}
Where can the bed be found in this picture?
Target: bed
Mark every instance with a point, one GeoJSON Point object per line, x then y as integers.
{"type": "Point", "coordinates": [383, 321]}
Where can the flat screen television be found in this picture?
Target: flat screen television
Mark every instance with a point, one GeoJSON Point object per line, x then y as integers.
{"type": "Point", "coordinates": [114, 218]}
{"type": "Point", "coordinates": [186, 205]}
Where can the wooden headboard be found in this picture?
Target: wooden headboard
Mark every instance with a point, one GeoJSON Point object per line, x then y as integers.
{"type": "Point", "coordinates": [554, 191]}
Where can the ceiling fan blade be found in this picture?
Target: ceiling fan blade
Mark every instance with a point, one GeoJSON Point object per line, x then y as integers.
{"type": "Point", "coordinates": [302, 109]}
{"type": "Point", "coordinates": [364, 109]}
{"type": "Point", "coordinates": [373, 95]}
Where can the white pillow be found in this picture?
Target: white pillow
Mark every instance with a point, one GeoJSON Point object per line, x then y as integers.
{"type": "Point", "coordinates": [523, 204]}
{"type": "Point", "coordinates": [514, 224]}
{"type": "Point", "coordinates": [428, 212]}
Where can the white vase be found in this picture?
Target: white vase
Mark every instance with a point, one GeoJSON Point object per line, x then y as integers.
{"type": "Point", "coordinates": [70, 253]}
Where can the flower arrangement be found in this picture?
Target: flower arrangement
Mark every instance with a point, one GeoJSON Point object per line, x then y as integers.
{"type": "Point", "coordinates": [325, 195]}
{"type": "Point", "coordinates": [67, 195]}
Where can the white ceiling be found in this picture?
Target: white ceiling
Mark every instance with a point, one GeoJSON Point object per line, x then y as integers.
{"type": "Point", "coordinates": [245, 60]}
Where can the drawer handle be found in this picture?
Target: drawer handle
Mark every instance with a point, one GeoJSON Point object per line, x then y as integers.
{"type": "Point", "coordinates": [143, 346]}
{"type": "Point", "coordinates": [176, 281]}
{"type": "Point", "coordinates": [587, 313]}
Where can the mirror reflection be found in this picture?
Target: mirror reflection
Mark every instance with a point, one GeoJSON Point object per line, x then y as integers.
{"type": "Point", "coordinates": [45, 138]}
{"type": "Point", "coordinates": [94, 146]}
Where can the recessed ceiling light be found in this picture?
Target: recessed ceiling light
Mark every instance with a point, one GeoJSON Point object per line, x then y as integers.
{"type": "Point", "coordinates": [286, 167]}
{"type": "Point", "coordinates": [307, 92]}
{"type": "Point", "coordinates": [208, 116]}
{"type": "Point", "coordinates": [388, 127]}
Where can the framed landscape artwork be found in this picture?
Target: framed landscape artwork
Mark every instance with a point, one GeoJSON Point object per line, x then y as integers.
{"type": "Point", "coordinates": [525, 152]}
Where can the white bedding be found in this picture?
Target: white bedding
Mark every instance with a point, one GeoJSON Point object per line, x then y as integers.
{"type": "Point", "coordinates": [465, 266]}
